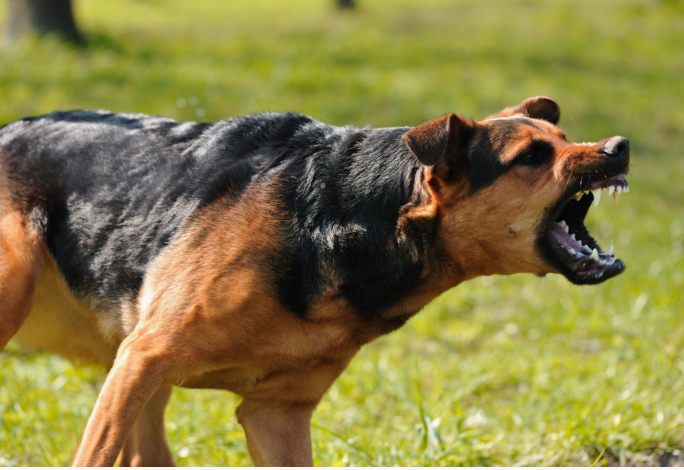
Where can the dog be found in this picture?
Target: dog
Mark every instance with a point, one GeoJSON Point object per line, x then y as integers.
{"type": "Point", "coordinates": [258, 254]}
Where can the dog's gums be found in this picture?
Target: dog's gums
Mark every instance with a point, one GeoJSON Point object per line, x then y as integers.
{"type": "Point", "coordinates": [572, 243]}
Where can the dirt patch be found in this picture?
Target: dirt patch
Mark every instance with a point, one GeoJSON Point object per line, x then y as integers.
{"type": "Point", "coordinates": [674, 458]}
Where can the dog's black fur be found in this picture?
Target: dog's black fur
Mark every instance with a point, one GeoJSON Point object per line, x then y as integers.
{"type": "Point", "coordinates": [111, 191]}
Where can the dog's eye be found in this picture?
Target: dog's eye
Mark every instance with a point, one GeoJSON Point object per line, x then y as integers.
{"type": "Point", "coordinates": [534, 156]}
{"type": "Point", "coordinates": [529, 157]}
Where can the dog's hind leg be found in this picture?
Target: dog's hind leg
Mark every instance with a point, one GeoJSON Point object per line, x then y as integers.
{"type": "Point", "coordinates": [146, 444]}
{"type": "Point", "coordinates": [20, 262]}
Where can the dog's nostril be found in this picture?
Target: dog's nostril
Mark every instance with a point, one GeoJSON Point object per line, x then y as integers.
{"type": "Point", "coordinates": [615, 146]}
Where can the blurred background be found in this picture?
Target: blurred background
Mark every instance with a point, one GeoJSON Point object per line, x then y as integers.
{"type": "Point", "coordinates": [500, 371]}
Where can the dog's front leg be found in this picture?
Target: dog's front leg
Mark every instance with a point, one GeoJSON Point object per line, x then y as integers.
{"type": "Point", "coordinates": [146, 444]}
{"type": "Point", "coordinates": [276, 413]}
{"type": "Point", "coordinates": [277, 433]}
{"type": "Point", "coordinates": [139, 370]}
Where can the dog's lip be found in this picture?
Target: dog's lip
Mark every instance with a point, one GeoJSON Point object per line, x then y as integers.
{"type": "Point", "coordinates": [615, 181]}
{"type": "Point", "coordinates": [574, 250]}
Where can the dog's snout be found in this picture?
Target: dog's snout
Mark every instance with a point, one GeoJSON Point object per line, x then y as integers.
{"type": "Point", "coordinates": [615, 147]}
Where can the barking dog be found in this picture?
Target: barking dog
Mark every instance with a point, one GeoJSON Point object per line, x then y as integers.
{"type": "Point", "coordinates": [258, 254]}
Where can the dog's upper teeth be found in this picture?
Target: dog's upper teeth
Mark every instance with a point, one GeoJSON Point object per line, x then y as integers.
{"type": "Point", "coordinates": [595, 255]}
{"type": "Point", "coordinates": [626, 189]}
{"type": "Point", "coordinates": [597, 196]}
{"type": "Point", "coordinates": [578, 196]}
{"type": "Point", "coordinates": [610, 190]}
{"type": "Point", "coordinates": [609, 251]}
{"type": "Point", "coordinates": [616, 194]}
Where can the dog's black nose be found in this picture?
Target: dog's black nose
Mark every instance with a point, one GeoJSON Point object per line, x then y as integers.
{"type": "Point", "coordinates": [615, 147]}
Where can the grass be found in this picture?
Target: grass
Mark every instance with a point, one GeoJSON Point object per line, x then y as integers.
{"type": "Point", "coordinates": [500, 371]}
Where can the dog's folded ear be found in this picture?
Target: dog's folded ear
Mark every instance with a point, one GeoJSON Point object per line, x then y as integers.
{"type": "Point", "coordinates": [430, 141]}
{"type": "Point", "coordinates": [539, 107]}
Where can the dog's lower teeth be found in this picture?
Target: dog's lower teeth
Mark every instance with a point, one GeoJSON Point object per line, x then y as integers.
{"type": "Point", "coordinates": [609, 251]}
{"type": "Point", "coordinates": [595, 255]}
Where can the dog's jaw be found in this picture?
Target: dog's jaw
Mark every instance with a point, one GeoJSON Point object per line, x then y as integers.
{"type": "Point", "coordinates": [566, 242]}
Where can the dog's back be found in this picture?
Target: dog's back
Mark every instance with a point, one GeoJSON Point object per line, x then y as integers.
{"type": "Point", "coordinates": [109, 191]}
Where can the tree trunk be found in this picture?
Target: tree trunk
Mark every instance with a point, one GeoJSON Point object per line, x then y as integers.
{"type": "Point", "coordinates": [345, 4]}
{"type": "Point", "coordinates": [41, 17]}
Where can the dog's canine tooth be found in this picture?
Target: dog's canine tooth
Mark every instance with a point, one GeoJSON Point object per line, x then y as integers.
{"type": "Point", "coordinates": [595, 255]}
{"type": "Point", "coordinates": [609, 251]}
{"type": "Point", "coordinates": [597, 196]}
{"type": "Point", "coordinates": [616, 195]}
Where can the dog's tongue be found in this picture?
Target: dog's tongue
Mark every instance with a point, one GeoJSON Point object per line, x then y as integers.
{"type": "Point", "coordinates": [566, 240]}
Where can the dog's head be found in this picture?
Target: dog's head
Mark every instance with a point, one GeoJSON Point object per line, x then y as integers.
{"type": "Point", "coordinates": [512, 192]}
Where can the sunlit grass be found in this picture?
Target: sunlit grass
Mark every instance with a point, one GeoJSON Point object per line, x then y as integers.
{"type": "Point", "coordinates": [517, 370]}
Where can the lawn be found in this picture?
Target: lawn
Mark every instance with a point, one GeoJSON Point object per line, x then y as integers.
{"type": "Point", "coordinates": [501, 370]}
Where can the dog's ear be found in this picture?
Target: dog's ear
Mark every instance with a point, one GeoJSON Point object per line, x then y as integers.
{"type": "Point", "coordinates": [430, 141]}
{"type": "Point", "coordinates": [539, 107]}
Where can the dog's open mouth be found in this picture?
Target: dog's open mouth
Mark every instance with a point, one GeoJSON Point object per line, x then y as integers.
{"type": "Point", "coordinates": [571, 242]}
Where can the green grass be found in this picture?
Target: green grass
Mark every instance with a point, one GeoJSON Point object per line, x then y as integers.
{"type": "Point", "coordinates": [500, 371]}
